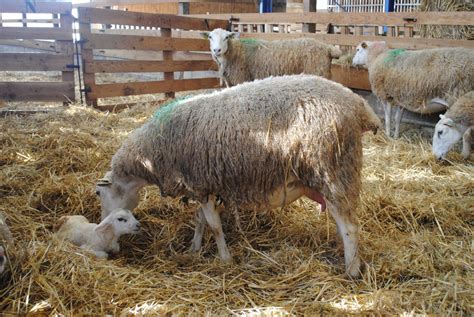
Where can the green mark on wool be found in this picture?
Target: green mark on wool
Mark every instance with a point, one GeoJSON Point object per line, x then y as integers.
{"type": "Point", "coordinates": [167, 108]}
{"type": "Point", "coordinates": [392, 54]}
{"type": "Point", "coordinates": [249, 41]}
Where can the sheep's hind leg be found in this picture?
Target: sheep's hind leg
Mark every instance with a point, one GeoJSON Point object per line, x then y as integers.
{"type": "Point", "coordinates": [387, 108]}
{"type": "Point", "coordinates": [214, 220]}
{"type": "Point", "coordinates": [349, 230]}
{"type": "Point", "coordinates": [198, 231]}
{"type": "Point", "coordinates": [466, 143]}
{"type": "Point", "coordinates": [398, 120]}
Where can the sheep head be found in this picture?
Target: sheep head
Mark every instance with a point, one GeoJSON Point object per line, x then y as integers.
{"type": "Point", "coordinates": [219, 40]}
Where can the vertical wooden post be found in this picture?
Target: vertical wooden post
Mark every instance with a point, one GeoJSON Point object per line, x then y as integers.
{"type": "Point", "coordinates": [309, 6]}
{"type": "Point", "coordinates": [168, 56]}
{"type": "Point", "coordinates": [65, 23]}
{"type": "Point", "coordinates": [87, 56]}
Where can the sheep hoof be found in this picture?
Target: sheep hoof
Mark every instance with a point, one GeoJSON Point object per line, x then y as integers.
{"type": "Point", "coordinates": [354, 268]}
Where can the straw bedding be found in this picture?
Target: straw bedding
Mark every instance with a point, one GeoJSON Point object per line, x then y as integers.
{"type": "Point", "coordinates": [416, 217]}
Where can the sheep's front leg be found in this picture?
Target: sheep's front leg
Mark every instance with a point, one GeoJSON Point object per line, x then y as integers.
{"type": "Point", "coordinates": [387, 108]}
{"type": "Point", "coordinates": [115, 247]}
{"type": "Point", "coordinates": [99, 254]}
{"type": "Point", "coordinates": [466, 143]}
{"type": "Point", "coordinates": [348, 227]}
{"type": "Point", "coordinates": [214, 220]}
{"type": "Point", "coordinates": [198, 231]}
{"type": "Point", "coordinates": [398, 120]}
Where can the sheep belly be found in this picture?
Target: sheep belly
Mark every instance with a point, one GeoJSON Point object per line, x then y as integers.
{"type": "Point", "coordinates": [283, 196]}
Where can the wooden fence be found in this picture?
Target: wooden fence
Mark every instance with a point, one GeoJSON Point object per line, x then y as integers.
{"type": "Point", "coordinates": [161, 40]}
{"type": "Point", "coordinates": [58, 31]}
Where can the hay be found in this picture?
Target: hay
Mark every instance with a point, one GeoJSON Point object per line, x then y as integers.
{"type": "Point", "coordinates": [459, 32]}
{"type": "Point", "coordinates": [345, 60]}
{"type": "Point", "coordinates": [416, 217]}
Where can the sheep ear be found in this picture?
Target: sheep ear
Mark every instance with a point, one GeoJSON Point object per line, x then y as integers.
{"type": "Point", "coordinates": [105, 228]}
{"type": "Point", "coordinates": [205, 35]}
{"type": "Point", "coordinates": [449, 123]}
{"type": "Point", "coordinates": [363, 44]}
{"type": "Point", "coordinates": [234, 35]}
{"type": "Point", "coordinates": [442, 116]}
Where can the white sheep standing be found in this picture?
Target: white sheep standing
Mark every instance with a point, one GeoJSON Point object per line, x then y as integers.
{"type": "Point", "coordinates": [456, 123]}
{"type": "Point", "coordinates": [102, 238]}
{"type": "Point", "coordinates": [261, 144]}
{"type": "Point", "coordinates": [242, 60]}
{"type": "Point", "coordinates": [423, 81]}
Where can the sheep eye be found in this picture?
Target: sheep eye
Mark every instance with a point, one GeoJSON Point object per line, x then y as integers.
{"type": "Point", "coordinates": [209, 37]}
{"type": "Point", "coordinates": [226, 38]}
{"type": "Point", "coordinates": [97, 192]}
{"type": "Point", "coordinates": [122, 219]}
{"type": "Point", "coordinates": [440, 133]}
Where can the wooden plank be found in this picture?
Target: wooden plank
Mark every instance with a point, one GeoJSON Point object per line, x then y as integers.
{"type": "Point", "coordinates": [103, 3]}
{"type": "Point", "coordinates": [168, 57]}
{"type": "Point", "coordinates": [34, 62]}
{"type": "Point", "coordinates": [137, 42]}
{"type": "Point", "coordinates": [12, 6]}
{"type": "Point", "coordinates": [11, 33]}
{"type": "Point", "coordinates": [87, 56]}
{"type": "Point", "coordinates": [34, 91]}
{"type": "Point", "coordinates": [40, 45]}
{"type": "Point", "coordinates": [151, 55]}
{"type": "Point", "coordinates": [353, 40]}
{"type": "Point", "coordinates": [152, 87]}
{"type": "Point", "coordinates": [351, 77]}
{"type": "Point", "coordinates": [362, 18]}
{"type": "Point", "coordinates": [93, 15]}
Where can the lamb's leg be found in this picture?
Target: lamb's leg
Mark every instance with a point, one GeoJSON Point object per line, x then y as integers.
{"type": "Point", "coordinates": [198, 231]}
{"type": "Point", "coordinates": [348, 226]}
{"type": "Point", "coordinates": [387, 108]}
{"type": "Point", "coordinates": [398, 120]}
{"type": "Point", "coordinates": [466, 143]}
{"type": "Point", "coordinates": [214, 220]}
{"type": "Point", "coordinates": [99, 254]}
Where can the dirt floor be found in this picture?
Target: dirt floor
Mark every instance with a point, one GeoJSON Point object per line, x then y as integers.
{"type": "Point", "coordinates": [416, 236]}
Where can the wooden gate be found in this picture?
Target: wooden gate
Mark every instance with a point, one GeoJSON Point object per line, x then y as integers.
{"type": "Point", "coordinates": [102, 29]}
{"type": "Point", "coordinates": [55, 30]}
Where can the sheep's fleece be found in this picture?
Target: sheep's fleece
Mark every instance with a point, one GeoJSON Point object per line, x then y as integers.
{"type": "Point", "coordinates": [243, 142]}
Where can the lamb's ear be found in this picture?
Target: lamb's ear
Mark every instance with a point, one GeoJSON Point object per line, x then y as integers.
{"type": "Point", "coordinates": [105, 229]}
{"type": "Point", "coordinates": [205, 35]}
{"type": "Point", "coordinates": [363, 44]}
{"type": "Point", "coordinates": [442, 116]}
{"type": "Point", "coordinates": [234, 35]}
{"type": "Point", "coordinates": [449, 123]}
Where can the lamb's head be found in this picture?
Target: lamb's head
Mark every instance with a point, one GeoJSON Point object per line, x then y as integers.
{"type": "Point", "coordinates": [117, 223]}
{"type": "Point", "coordinates": [118, 192]}
{"type": "Point", "coordinates": [444, 137]}
{"type": "Point", "coordinates": [219, 40]}
{"type": "Point", "coordinates": [366, 51]}
{"type": "Point", "coordinates": [3, 260]}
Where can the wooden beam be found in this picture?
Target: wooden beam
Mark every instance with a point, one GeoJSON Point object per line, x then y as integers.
{"type": "Point", "coordinates": [104, 16]}
{"type": "Point", "coordinates": [151, 87]}
{"type": "Point", "coordinates": [13, 33]}
{"type": "Point", "coordinates": [147, 66]}
{"type": "Point", "coordinates": [103, 3]}
{"type": "Point", "coordinates": [353, 40]}
{"type": "Point", "coordinates": [134, 42]}
{"type": "Point", "coordinates": [351, 77]}
{"type": "Point", "coordinates": [362, 18]}
{"type": "Point", "coordinates": [13, 6]}
{"type": "Point", "coordinates": [34, 62]}
{"type": "Point", "coordinates": [37, 91]}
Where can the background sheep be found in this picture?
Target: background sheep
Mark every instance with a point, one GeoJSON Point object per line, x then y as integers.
{"type": "Point", "coordinates": [249, 59]}
{"type": "Point", "coordinates": [262, 144]}
{"type": "Point", "coordinates": [6, 239]}
{"type": "Point", "coordinates": [424, 81]}
{"type": "Point", "coordinates": [98, 238]}
{"type": "Point", "coordinates": [457, 122]}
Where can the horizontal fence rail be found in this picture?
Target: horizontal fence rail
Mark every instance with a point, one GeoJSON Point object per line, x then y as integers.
{"type": "Point", "coordinates": [177, 53]}
{"type": "Point", "coordinates": [58, 32]}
